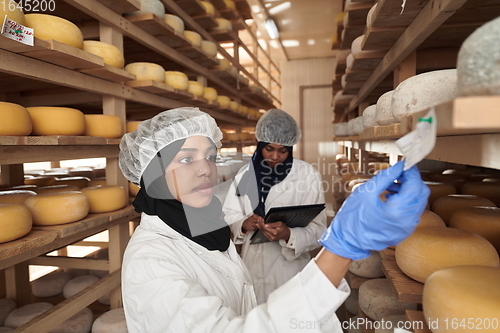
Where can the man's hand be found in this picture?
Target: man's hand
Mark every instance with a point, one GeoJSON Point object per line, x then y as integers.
{"type": "Point", "coordinates": [251, 223]}
{"type": "Point", "coordinates": [275, 231]}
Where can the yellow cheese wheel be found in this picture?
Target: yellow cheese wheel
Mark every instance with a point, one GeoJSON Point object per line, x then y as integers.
{"type": "Point", "coordinates": [133, 189]}
{"type": "Point", "coordinates": [56, 120]}
{"type": "Point", "coordinates": [235, 106]}
{"type": "Point", "coordinates": [196, 88]}
{"type": "Point", "coordinates": [484, 221]}
{"type": "Point", "coordinates": [209, 8]}
{"type": "Point", "coordinates": [58, 208]}
{"type": "Point", "coordinates": [483, 189]}
{"type": "Point", "coordinates": [105, 198]}
{"type": "Point", "coordinates": [223, 64]}
{"type": "Point", "coordinates": [430, 219]}
{"type": "Point", "coordinates": [15, 196]}
{"type": "Point", "coordinates": [243, 109]}
{"type": "Point", "coordinates": [15, 221]}
{"type": "Point", "coordinates": [233, 136]}
{"type": "Point", "coordinates": [97, 182]}
{"type": "Point", "coordinates": [16, 120]}
{"type": "Point", "coordinates": [223, 24]}
{"type": "Point", "coordinates": [430, 249]}
{"type": "Point", "coordinates": [454, 179]}
{"type": "Point", "coordinates": [79, 182]}
{"type": "Point", "coordinates": [230, 4]}
{"type": "Point", "coordinates": [445, 206]}
{"type": "Point", "coordinates": [103, 125]}
{"type": "Point", "coordinates": [110, 54]}
{"type": "Point", "coordinates": [177, 80]}
{"type": "Point", "coordinates": [210, 93]}
{"type": "Point", "coordinates": [209, 47]}
{"type": "Point", "coordinates": [40, 181]}
{"type": "Point", "coordinates": [13, 12]}
{"type": "Point", "coordinates": [224, 101]}
{"type": "Point", "coordinates": [463, 299]}
{"type": "Point", "coordinates": [175, 22]}
{"type": "Point", "coordinates": [56, 188]}
{"type": "Point", "coordinates": [193, 37]}
{"type": "Point", "coordinates": [132, 125]}
{"type": "Point", "coordinates": [439, 190]}
{"type": "Point", "coordinates": [54, 27]}
{"type": "Point", "coordinates": [146, 71]}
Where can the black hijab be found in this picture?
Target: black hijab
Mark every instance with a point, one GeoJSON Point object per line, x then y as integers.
{"type": "Point", "coordinates": [264, 176]}
{"type": "Point", "coordinates": [201, 225]}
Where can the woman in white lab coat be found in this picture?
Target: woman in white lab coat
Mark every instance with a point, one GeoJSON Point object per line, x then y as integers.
{"type": "Point", "coordinates": [273, 178]}
{"type": "Point", "coordinates": [181, 272]}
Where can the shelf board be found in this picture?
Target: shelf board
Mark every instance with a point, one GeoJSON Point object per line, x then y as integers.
{"type": "Point", "coordinates": [351, 33]}
{"type": "Point", "coordinates": [354, 281]}
{"type": "Point", "coordinates": [367, 60]}
{"type": "Point", "coordinates": [420, 323]}
{"type": "Point", "coordinates": [406, 289]}
{"type": "Point", "coordinates": [205, 21]}
{"type": "Point", "coordinates": [388, 254]}
{"type": "Point", "coordinates": [59, 140]}
{"type": "Point", "coordinates": [260, 98]}
{"type": "Point", "coordinates": [357, 12]}
{"type": "Point", "coordinates": [197, 54]}
{"type": "Point", "coordinates": [219, 4]}
{"type": "Point", "coordinates": [191, 7]}
{"type": "Point", "coordinates": [223, 35]}
{"type": "Point", "coordinates": [33, 240]}
{"type": "Point", "coordinates": [389, 13]}
{"type": "Point", "coordinates": [229, 14]}
{"type": "Point", "coordinates": [234, 144]}
{"type": "Point", "coordinates": [122, 6]}
{"type": "Point", "coordinates": [382, 132]}
{"type": "Point", "coordinates": [160, 88]}
{"type": "Point", "coordinates": [110, 73]}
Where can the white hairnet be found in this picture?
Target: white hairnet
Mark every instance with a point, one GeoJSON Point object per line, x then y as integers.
{"type": "Point", "coordinates": [139, 147]}
{"type": "Point", "coordinates": [278, 127]}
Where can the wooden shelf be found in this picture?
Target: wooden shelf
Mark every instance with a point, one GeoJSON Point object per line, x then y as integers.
{"type": "Point", "coordinates": [122, 6]}
{"type": "Point", "coordinates": [354, 281]}
{"type": "Point", "coordinates": [159, 88]}
{"type": "Point", "coordinates": [191, 7]}
{"type": "Point", "coordinates": [206, 21]}
{"type": "Point", "coordinates": [406, 289]}
{"type": "Point", "coordinates": [234, 144]}
{"type": "Point", "coordinates": [420, 323]}
{"type": "Point", "coordinates": [229, 14]}
{"type": "Point", "coordinates": [109, 73]}
{"type": "Point", "coordinates": [223, 36]}
{"type": "Point", "coordinates": [382, 132]}
{"type": "Point", "coordinates": [388, 254]}
{"type": "Point", "coordinates": [197, 54]}
{"type": "Point", "coordinates": [59, 140]}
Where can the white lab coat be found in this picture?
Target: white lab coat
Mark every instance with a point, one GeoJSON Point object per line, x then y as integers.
{"type": "Point", "coordinates": [272, 264]}
{"type": "Point", "coordinates": [172, 284]}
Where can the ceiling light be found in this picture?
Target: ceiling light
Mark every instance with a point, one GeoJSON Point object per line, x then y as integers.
{"type": "Point", "coordinates": [274, 44]}
{"type": "Point", "coordinates": [255, 9]}
{"type": "Point", "coordinates": [290, 43]}
{"type": "Point", "coordinates": [311, 42]}
{"type": "Point", "coordinates": [271, 29]}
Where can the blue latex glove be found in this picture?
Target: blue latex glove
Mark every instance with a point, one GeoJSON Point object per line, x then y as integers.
{"type": "Point", "coordinates": [364, 222]}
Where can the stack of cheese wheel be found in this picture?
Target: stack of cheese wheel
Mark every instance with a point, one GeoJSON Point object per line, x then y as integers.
{"type": "Point", "coordinates": [193, 37]}
{"type": "Point", "coordinates": [15, 221]}
{"type": "Point", "coordinates": [430, 249]}
{"type": "Point", "coordinates": [175, 22]}
{"type": "Point", "coordinates": [457, 297]}
{"type": "Point", "coordinates": [75, 285]}
{"type": "Point", "coordinates": [146, 71]}
{"type": "Point", "coordinates": [40, 180]}
{"type": "Point", "coordinates": [81, 322]}
{"type": "Point", "coordinates": [178, 80]}
{"type": "Point", "coordinates": [79, 181]}
{"type": "Point", "coordinates": [209, 47]}
{"type": "Point", "coordinates": [486, 190]}
{"type": "Point", "coordinates": [224, 101]}
{"type": "Point", "coordinates": [111, 321]}
{"type": "Point", "coordinates": [56, 120]}
{"type": "Point", "coordinates": [25, 313]}
{"type": "Point", "coordinates": [439, 190]}
{"type": "Point", "coordinates": [15, 196]}
{"type": "Point", "coordinates": [196, 88]}
{"type": "Point", "coordinates": [151, 6]}
{"type": "Point", "coordinates": [210, 93]}
{"type": "Point", "coordinates": [16, 120]}
{"type": "Point", "coordinates": [369, 268]}
{"type": "Point", "coordinates": [6, 307]}
{"type": "Point", "coordinates": [445, 206]}
{"type": "Point", "coordinates": [223, 24]}
{"type": "Point", "coordinates": [110, 54]}
{"type": "Point", "coordinates": [56, 188]}
{"type": "Point", "coordinates": [53, 27]}
{"type": "Point", "coordinates": [106, 198]}
{"type": "Point", "coordinates": [209, 8]}
{"type": "Point", "coordinates": [51, 284]}
{"type": "Point", "coordinates": [57, 208]}
{"type": "Point", "coordinates": [103, 125]}
{"type": "Point", "coordinates": [131, 126]}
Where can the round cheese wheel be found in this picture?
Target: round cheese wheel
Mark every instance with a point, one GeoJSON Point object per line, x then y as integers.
{"type": "Point", "coordinates": [110, 54]}
{"type": "Point", "coordinates": [486, 190]}
{"type": "Point", "coordinates": [478, 177]}
{"type": "Point", "coordinates": [209, 47]}
{"type": "Point", "coordinates": [223, 64]}
{"type": "Point", "coordinates": [103, 125]}
{"type": "Point", "coordinates": [369, 116]}
{"type": "Point", "coordinates": [25, 313]}
{"type": "Point", "coordinates": [111, 321]}
{"type": "Point", "coordinates": [15, 196]}
{"type": "Point", "coordinates": [132, 125]}
{"type": "Point", "coordinates": [491, 180]}
{"type": "Point", "coordinates": [356, 45]}
{"type": "Point", "coordinates": [391, 322]}
{"type": "Point", "coordinates": [423, 91]}
{"type": "Point", "coordinates": [349, 60]}
{"type": "Point", "coordinates": [133, 189]}
{"type": "Point", "coordinates": [439, 190]}
{"type": "Point", "coordinates": [40, 181]}
{"type": "Point", "coordinates": [383, 113]}
{"type": "Point", "coordinates": [82, 172]}
{"type": "Point", "coordinates": [54, 27]}
{"type": "Point", "coordinates": [224, 101]}
{"type": "Point", "coordinates": [79, 182]}
{"type": "Point", "coordinates": [152, 6]}
{"type": "Point", "coordinates": [445, 206]}
{"type": "Point", "coordinates": [56, 120]}
{"type": "Point", "coordinates": [234, 72]}
{"type": "Point", "coordinates": [233, 136]}
{"type": "Point", "coordinates": [356, 328]}
{"type": "Point", "coordinates": [177, 80]}
{"type": "Point", "coordinates": [430, 249]}
{"type": "Point", "coordinates": [230, 4]}
{"type": "Point", "coordinates": [146, 71]}
{"type": "Point", "coordinates": [106, 299]}
{"type": "Point", "coordinates": [16, 120]}
{"type": "Point", "coordinates": [106, 198]}
{"type": "Point", "coordinates": [209, 8]}
{"type": "Point", "coordinates": [56, 188]}
{"type": "Point", "coordinates": [369, 16]}
{"type": "Point", "coordinates": [81, 322]}
{"type": "Point", "coordinates": [196, 88]}
{"type": "Point", "coordinates": [57, 208]}
{"type": "Point", "coordinates": [484, 221]}
{"type": "Point", "coordinates": [175, 22]}
{"type": "Point", "coordinates": [50, 285]}
{"type": "Point", "coordinates": [357, 126]}
{"type": "Point", "coordinates": [430, 219]}
{"type": "Point", "coordinates": [341, 129]}
{"type": "Point", "coordinates": [233, 105]}
{"type": "Point", "coordinates": [97, 182]}
{"type": "Point", "coordinates": [223, 24]}
{"type": "Point", "coordinates": [74, 286]}
{"type": "Point", "coordinates": [15, 221]}
{"type": "Point", "coordinates": [352, 302]}
{"type": "Point", "coordinates": [243, 109]}
{"type": "Point", "coordinates": [477, 62]}
{"type": "Point", "coordinates": [343, 81]}
{"type": "Point", "coordinates": [460, 172]}
{"type": "Point", "coordinates": [456, 297]}
{"type": "Point", "coordinates": [210, 93]}
{"type": "Point", "coordinates": [13, 12]}
{"type": "Point", "coordinates": [370, 267]}
{"type": "Point", "coordinates": [6, 307]}
{"type": "Point", "coordinates": [193, 37]}
{"type": "Point", "coordinates": [377, 300]}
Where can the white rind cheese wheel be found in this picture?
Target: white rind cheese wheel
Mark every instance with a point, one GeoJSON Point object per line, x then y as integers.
{"type": "Point", "coordinates": [341, 129]}
{"type": "Point", "coordinates": [51, 284]}
{"type": "Point", "coordinates": [486, 190]}
{"type": "Point", "coordinates": [81, 322]}
{"type": "Point", "coordinates": [152, 6]}
{"type": "Point", "coordinates": [110, 54]}
{"type": "Point", "coordinates": [383, 113]}
{"type": "Point", "coordinates": [131, 126]}
{"type": "Point", "coordinates": [370, 267]}
{"type": "Point", "coordinates": [103, 125]}
{"type": "Point", "coordinates": [56, 188]}
{"type": "Point", "coordinates": [54, 27]}
{"type": "Point", "coordinates": [177, 80]}
{"type": "Point", "coordinates": [430, 219]}
{"type": "Point", "coordinates": [369, 116]}
{"type": "Point", "coordinates": [423, 91]}
{"type": "Point", "coordinates": [15, 196]}
{"type": "Point", "coordinates": [464, 294]}
{"type": "Point", "coordinates": [224, 101]}
{"type": "Point", "coordinates": [369, 16]}
{"type": "Point", "coordinates": [439, 190]}
{"type": "Point", "coordinates": [210, 94]}
{"type": "Point", "coordinates": [349, 60]}
{"type": "Point", "coordinates": [352, 302]}
{"type": "Point", "coordinates": [430, 249]}
{"type": "Point", "coordinates": [193, 37]}
{"type": "Point", "coordinates": [106, 198]}
{"type": "Point", "coordinates": [146, 71]}
{"type": "Point", "coordinates": [25, 313]}
{"type": "Point", "coordinates": [230, 4]}
{"type": "Point", "coordinates": [58, 208]}
{"type": "Point", "coordinates": [223, 24]}
{"type": "Point", "coordinates": [377, 300]}
{"type": "Point", "coordinates": [196, 88]}
{"type": "Point", "coordinates": [209, 8]}
{"type": "Point", "coordinates": [175, 22]}
{"type": "Point", "coordinates": [477, 63]}
{"type": "Point", "coordinates": [356, 45]}
{"type": "Point", "coordinates": [343, 81]}
{"type": "Point", "coordinates": [16, 120]}
{"type": "Point", "coordinates": [74, 286]}
{"type": "Point", "coordinates": [111, 321]}
{"type": "Point", "coordinates": [79, 182]}
{"type": "Point", "coordinates": [484, 221]}
{"type": "Point", "coordinates": [209, 47]}
{"type": "Point", "coordinates": [445, 206]}
{"type": "Point", "coordinates": [15, 222]}
{"type": "Point", "coordinates": [357, 126]}
{"type": "Point", "coordinates": [6, 307]}
{"type": "Point", "coordinates": [56, 120]}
